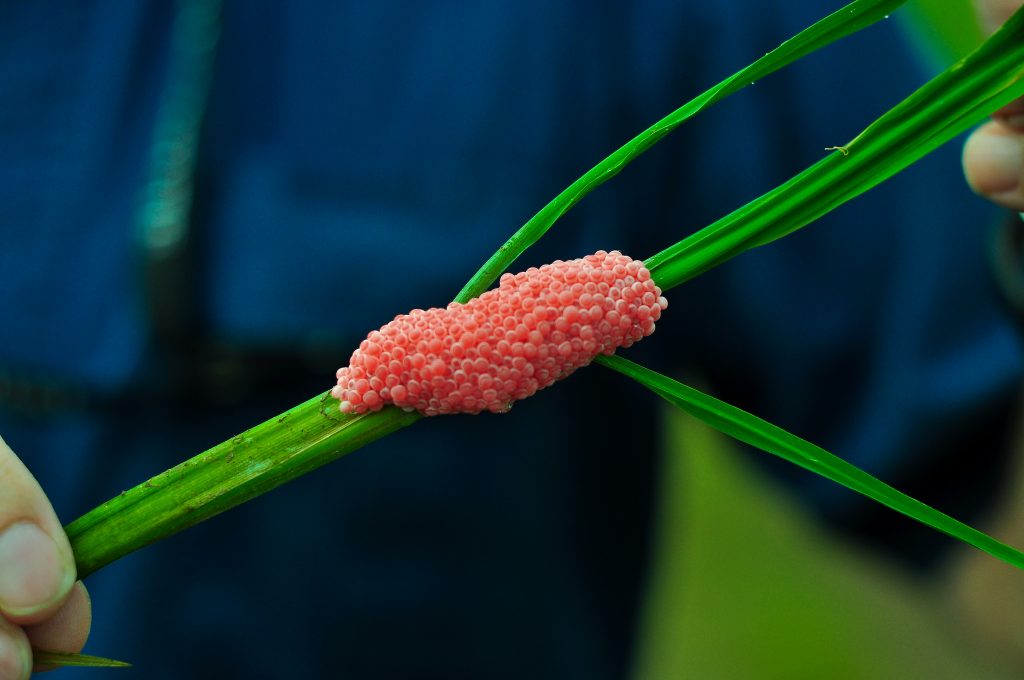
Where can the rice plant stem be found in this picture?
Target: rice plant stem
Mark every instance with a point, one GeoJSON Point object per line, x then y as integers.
{"type": "Point", "coordinates": [301, 439]}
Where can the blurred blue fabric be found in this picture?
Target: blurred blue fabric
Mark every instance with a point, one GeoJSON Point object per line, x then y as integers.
{"type": "Point", "coordinates": [357, 160]}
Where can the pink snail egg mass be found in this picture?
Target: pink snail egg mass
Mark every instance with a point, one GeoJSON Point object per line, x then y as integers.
{"type": "Point", "coordinates": [535, 328]}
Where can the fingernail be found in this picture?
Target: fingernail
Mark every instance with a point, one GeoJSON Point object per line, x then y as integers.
{"type": "Point", "coordinates": [998, 160]}
{"type": "Point", "coordinates": [34, 573]}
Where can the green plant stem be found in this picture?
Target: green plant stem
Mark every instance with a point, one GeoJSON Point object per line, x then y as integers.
{"type": "Point", "coordinates": [843, 22]}
{"type": "Point", "coordinates": [300, 440]}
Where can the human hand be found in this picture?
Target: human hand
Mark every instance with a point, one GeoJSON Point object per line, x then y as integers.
{"type": "Point", "coordinates": [994, 154]}
{"type": "Point", "coordinates": [41, 604]}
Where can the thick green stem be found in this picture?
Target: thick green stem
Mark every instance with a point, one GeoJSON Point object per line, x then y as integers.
{"type": "Point", "coordinates": [297, 441]}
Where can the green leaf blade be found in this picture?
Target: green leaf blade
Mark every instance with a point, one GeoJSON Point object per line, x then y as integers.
{"type": "Point", "coordinates": [946, 106]}
{"type": "Point", "coordinates": [59, 659]}
{"type": "Point", "coordinates": [770, 438]}
{"type": "Point", "coordinates": [849, 19]}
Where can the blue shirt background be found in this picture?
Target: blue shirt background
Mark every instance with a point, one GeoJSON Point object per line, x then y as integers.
{"type": "Point", "coordinates": [361, 159]}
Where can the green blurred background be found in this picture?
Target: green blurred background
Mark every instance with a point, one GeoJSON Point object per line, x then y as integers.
{"type": "Point", "coordinates": [946, 29]}
{"type": "Point", "coordinates": [809, 606]}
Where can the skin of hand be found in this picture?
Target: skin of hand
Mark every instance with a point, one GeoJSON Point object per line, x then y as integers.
{"type": "Point", "coordinates": [42, 605]}
{"type": "Point", "coordinates": [993, 157]}
{"type": "Point", "coordinates": [986, 595]}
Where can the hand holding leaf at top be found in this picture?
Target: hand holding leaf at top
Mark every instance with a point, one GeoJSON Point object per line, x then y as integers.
{"type": "Point", "coordinates": [994, 154]}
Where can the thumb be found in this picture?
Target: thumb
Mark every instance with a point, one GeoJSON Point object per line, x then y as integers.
{"type": "Point", "coordinates": [37, 568]}
{"type": "Point", "coordinates": [994, 164]}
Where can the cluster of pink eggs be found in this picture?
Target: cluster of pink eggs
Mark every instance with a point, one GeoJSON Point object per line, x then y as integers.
{"type": "Point", "coordinates": [536, 327]}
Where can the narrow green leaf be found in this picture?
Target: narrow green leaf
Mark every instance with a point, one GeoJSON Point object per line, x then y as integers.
{"type": "Point", "coordinates": [754, 431]}
{"type": "Point", "coordinates": [296, 442]}
{"type": "Point", "coordinates": [949, 104]}
{"type": "Point", "coordinates": [44, 658]}
{"type": "Point", "coordinates": [849, 19]}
